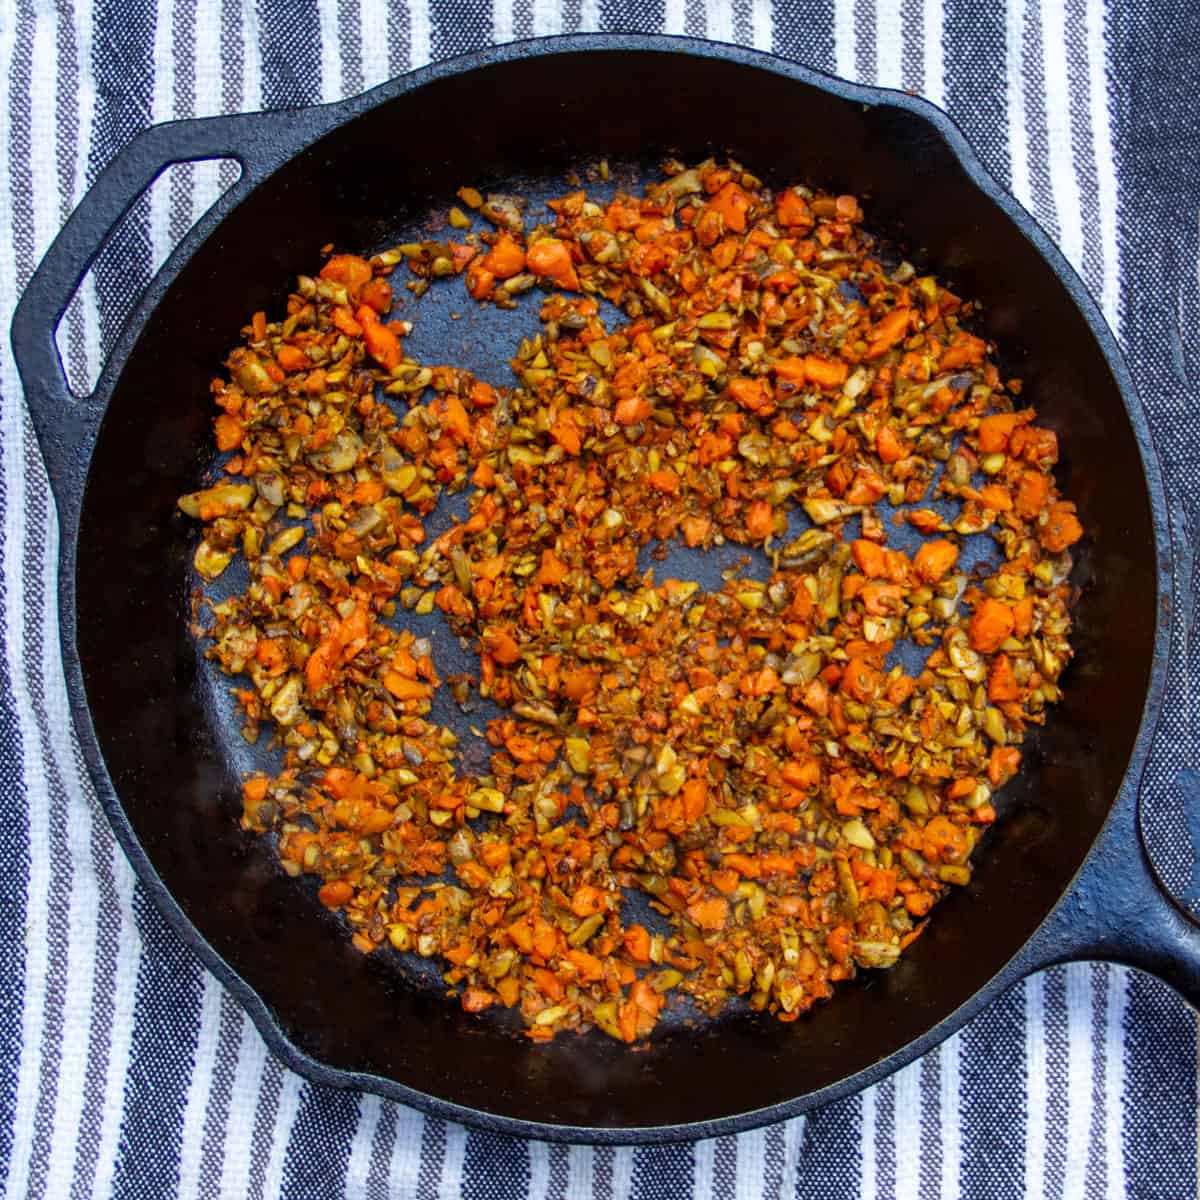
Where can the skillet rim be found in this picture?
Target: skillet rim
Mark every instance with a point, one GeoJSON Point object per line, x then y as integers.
{"type": "Point", "coordinates": [297, 130]}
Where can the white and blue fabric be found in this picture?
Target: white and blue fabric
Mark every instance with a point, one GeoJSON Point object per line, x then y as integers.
{"type": "Point", "coordinates": [125, 1069]}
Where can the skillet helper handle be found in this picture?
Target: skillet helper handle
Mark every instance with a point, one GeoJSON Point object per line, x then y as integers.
{"type": "Point", "coordinates": [1119, 908]}
{"type": "Point", "coordinates": [66, 425]}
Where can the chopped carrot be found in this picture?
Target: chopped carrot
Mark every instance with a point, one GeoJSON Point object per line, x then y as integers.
{"type": "Point", "coordinates": [994, 432]}
{"type": "Point", "coordinates": [292, 358]}
{"type": "Point", "coordinates": [352, 272]}
{"type": "Point", "coordinates": [1002, 683]}
{"type": "Point", "coordinates": [229, 432]}
{"type": "Point", "coordinates": [934, 558]}
{"type": "Point", "coordinates": [382, 344]}
{"type": "Point", "coordinates": [733, 204]}
{"type": "Point", "coordinates": [885, 333]}
{"type": "Point", "coordinates": [551, 259]}
{"type": "Point", "coordinates": [1062, 527]}
{"type": "Point", "coordinates": [888, 445]}
{"type": "Point", "coordinates": [824, 372]}
{"type": "Point", "coordinates": [505, 259]}
{"type": "Point", "coordinates": [991, 623]}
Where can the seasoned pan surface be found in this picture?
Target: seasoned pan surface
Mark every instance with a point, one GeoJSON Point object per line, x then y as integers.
{"type": "Point", "coordinates": [161, 729]}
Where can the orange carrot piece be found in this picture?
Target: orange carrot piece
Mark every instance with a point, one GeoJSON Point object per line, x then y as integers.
{"type": "Point", "coordinates": [551, 259]}
{"type": "Point", "coordinates": [991, 623]}
{"type": "Point", "coordinates": [934, 559]}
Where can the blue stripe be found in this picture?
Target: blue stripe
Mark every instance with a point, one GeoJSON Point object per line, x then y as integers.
{"type": "Point", "coordinates": [804, 32]}
{"type": "Point", "coordinates": [1096, 1179]}
{"type": "Point", "coordinates": [725, 1163]}
{"type": "Point", "coordinates": [290, 45]}
{"type": "Point", "coordinates": [830, 1165]}
{"type": "Point", "coordinates": [14, 878]}
{"type": "Point", "coordinates": [885, 1138]}
{"type": "Point", "coordinates": [1036, 124]}
{"type": "Point", "coordinates": [644, 18]}
{"type": "Point", "coordinates": [123, 67]}
{"type": "Point", "coordinates": [1055, 1026]}
{"type": "Point", "coordinates": [1160, 1092]}
{"type": "Point", "coordinates": [162, 1054]}
{"type": "Point", "coordinates": [457, 26]}
{"type": "Point", "coordinates": [975, 84]}
{"type": "Point", "coordinates": [930, 1165]}
{"type": "Point", "coordinates": [992, 1113]}
{"type": "Point", "coordinates": [661, 1171]}
{"type": "Point", "coordinates": [433, 1153]}
{"type": "Point", "coordinates": [1083, 160]}
{"type": "Point", "coordinates": [319, 1151]}
{"type": "Point", "coordinates": [494, 1167]}
{"type": "Point", "coordinates": [1156, 137]}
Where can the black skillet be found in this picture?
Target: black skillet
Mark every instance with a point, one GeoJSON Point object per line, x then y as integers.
{"type": "Point", "coordinates": [1063, 877]}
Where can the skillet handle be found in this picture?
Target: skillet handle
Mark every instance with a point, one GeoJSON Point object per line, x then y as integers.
{"type": "Point", "coordinates": [66, 425]}
{"type": "Point", "coordinates": [1119, 909]}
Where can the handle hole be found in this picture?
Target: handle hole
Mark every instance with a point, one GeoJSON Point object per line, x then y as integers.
{"type": "Point", "coordinates": [131, 255]}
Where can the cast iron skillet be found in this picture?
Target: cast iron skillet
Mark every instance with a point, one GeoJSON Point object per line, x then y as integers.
{"type": "Point", "coordinates": [1064, 877]}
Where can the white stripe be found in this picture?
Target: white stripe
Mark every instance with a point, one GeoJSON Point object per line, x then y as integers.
{"type": "Point", "coordinates": [1064, 186]}
{"type": "Point", "coordinates": [622, 1172]}
{"type": "Point", "coordinates": [88, 305]}
{"type": "Point", "coordinates": [1106, 166]}
{"type": "Point", "coordinates": [793, 1139]}
{"type": "Point", "coordinates": [948, 1112]}
{"type": "Point", "coordinates": [162, 109]}
{"type": "Point", "coordinates": [933, 84]}
{"type": "Point", "coordinates": [1036, 1086]}
{"type": "Point", "coordinates": [129, 953]}
{"type": "Point", "coordinates": [867, 1147]}
{"type": "Point", "coordinates": [502, 20]}
{"type": "Point", "coordinates": [889, 46]}
{"type": "Point", "coordinates": [33, 769]}
{"type": "Point", "coordinates": [373, 21]}
{"type": "Point", "coordinates": [450, 1187]}
{"type": "Point", "coordinates": [906, 1132]}
{"type": "Point", "coordinates": [281, 1133]}
{"type": "Point", "coordinates": [1116, 998]}
{"type": "Point", "coordinates": [674, 16]}
{"type": "Point", "coordinates": [547, 18]}
{"type": "Point", "coordinates": [84, 904]}
{"type": "Point", "coordinates": [1018, 137]}
{"type": "Point", "coordinates": [359, 1167]}
{"type": "Point", "coordinates": [418, 25]}
{"type": "Point", "coordinates": [76, 1046]}
{"type": "Point", "coordinates": [206, 67]}
{"type": "Point", "coordinates": [404, 1171]}
{"type": "Point", "coordinates": [251, 58]}
{"type": "Point", "coordinates": [581, 1167]}
{"type": "Point", "coordinates": [238, 1138]}
{"type": "Point", "coordinates": [751, 1164]}
{"type": "Point", "coordinates": [760, 24]}
{"type": "Point", "coordinates": [844, 61]}
{"type": "Point", "coordinates": [718, 20]}
{"type": "Point", "coordinates": [199, 1088]}
{"type": "Point", "coordinates": [331, 53]}
{"type": "Point", "coordinates": [589, 15]}
{"type": "Point", "coordinates": [539, 1171]}
{"type": "Point", "coordinates": [703, 1161]}
{"type": "Point", "coordinates": [1079, 1077]}
{"type": "Point", "coordinates": [128, 936]}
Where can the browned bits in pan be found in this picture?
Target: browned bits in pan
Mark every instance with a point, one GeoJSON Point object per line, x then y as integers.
{"type": "Point", "coordinates": [787, 799]}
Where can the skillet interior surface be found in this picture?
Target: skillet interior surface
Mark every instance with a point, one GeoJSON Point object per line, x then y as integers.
{"type": "Point", "coordinates": [166, 727]}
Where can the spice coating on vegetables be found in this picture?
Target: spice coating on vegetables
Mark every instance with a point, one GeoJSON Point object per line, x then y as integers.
{"type": "Point", "coordinates": [753, 760]}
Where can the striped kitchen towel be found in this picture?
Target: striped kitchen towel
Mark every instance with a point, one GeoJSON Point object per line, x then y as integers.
{"type": "Point", "coordinates": [125, 1070]}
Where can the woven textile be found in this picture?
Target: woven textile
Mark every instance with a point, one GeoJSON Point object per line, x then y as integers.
{"type": "Point", "coordinates": [126, 1071]}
